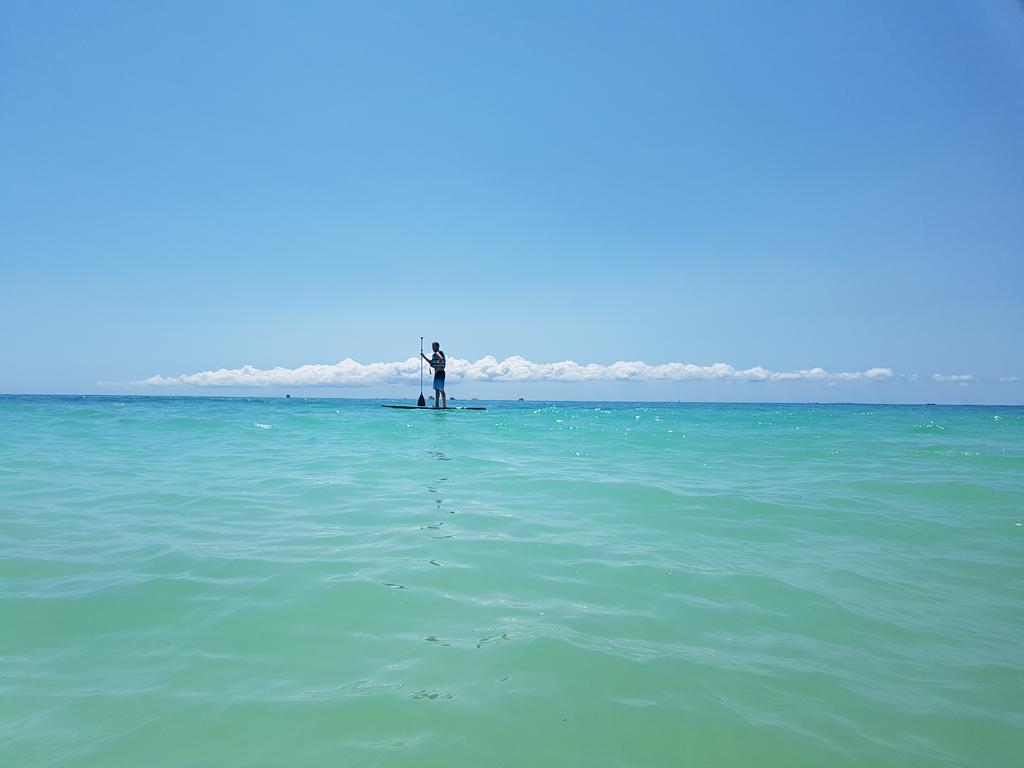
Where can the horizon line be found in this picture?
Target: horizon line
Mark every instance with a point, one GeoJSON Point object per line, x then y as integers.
{"type": "Point", "coordinates": [288, 396]}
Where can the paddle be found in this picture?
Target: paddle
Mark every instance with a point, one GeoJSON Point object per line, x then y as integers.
{"type": "Point", "coordinates": [421, 402]}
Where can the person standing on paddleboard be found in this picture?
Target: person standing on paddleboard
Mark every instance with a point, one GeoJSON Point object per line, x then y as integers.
{"type": "Point", "coordinates": [437, 362]}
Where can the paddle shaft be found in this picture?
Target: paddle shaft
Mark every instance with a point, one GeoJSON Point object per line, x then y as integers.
{"type": "Point", "coordinates": [421, 401]}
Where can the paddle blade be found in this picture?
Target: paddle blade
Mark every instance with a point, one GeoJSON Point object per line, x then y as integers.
{"type": "Point", "coordinates": [421, 402]}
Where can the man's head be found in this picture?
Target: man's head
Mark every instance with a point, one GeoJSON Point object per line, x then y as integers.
{"type": "Point", "coordinates": [435, 346]}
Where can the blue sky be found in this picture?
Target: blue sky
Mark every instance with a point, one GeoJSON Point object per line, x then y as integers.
{"type": "Point", "coordinates": [195, 186]}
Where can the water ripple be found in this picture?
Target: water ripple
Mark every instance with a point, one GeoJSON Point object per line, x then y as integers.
{"type": "Point", "coordinates": [272, 582]}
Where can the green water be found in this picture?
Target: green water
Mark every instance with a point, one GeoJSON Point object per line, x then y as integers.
{"type": "Point", "coordinates": [220, 582]}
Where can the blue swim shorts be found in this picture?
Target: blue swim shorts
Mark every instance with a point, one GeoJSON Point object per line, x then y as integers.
{"type": "Point", "coordinates": [439, 380]}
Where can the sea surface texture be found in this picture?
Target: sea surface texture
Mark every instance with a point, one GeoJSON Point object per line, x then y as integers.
{"type": "Point", "coordinates": [290, 582]}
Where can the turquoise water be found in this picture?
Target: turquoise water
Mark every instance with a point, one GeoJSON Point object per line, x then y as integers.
{"type": "Point", "coordinates": [296, 582]}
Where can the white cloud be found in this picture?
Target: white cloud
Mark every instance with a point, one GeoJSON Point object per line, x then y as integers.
{"type": "Point", "coordinates": [1008, 379]}
{"type": "Point", "coordinates": [963, 379]}
{"type": "Point", "coordinates": [349, 373]}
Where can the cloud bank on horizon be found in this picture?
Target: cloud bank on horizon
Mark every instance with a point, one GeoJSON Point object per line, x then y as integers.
{"type": "Point", "coordinates": [350, 373]}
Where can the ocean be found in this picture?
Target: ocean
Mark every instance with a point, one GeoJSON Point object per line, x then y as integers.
{"type": "Point", "coordinates": [324, 582]}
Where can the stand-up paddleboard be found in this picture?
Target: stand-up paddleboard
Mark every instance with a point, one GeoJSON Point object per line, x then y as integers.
{"type": "Point", "coordinates": [431, 408]}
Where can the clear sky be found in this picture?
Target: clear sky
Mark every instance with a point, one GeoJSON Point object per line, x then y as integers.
{"type": "Point", "coordinates": [193, 186]}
